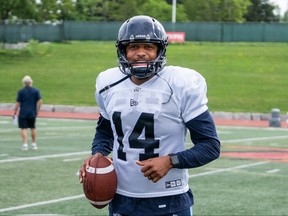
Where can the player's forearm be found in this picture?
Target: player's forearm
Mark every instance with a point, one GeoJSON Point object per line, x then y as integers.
{"type": "Point", "coordinates": [103, 138]}
{"type": "Point", "coordinates": [200, 154]}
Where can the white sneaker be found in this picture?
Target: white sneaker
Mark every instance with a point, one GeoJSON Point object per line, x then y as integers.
{"type": "Point", "coordinates": [34, 146]}
{"type": "Point", "coordinates": [25, 147]}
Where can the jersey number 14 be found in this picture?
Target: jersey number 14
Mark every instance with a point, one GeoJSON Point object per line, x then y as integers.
{"type": "Point", "coordinates": [145, 124]}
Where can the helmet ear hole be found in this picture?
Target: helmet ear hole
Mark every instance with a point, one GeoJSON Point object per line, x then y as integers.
{"type": "Point", "coordinates": [141, 29]}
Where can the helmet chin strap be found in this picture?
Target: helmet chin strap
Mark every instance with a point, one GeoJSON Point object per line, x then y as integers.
{"type": "Point", "coordinates": [140, 71]}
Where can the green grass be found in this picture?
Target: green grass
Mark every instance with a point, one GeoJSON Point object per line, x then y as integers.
{"type": "Point", "coordinates": [35, 182]}
{"type": "Point", "coordinates": [241, 77]}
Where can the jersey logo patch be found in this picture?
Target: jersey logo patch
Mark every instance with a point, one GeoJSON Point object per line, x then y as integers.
{"type": "Point", "coordinates": [174, 183]}
{"type": "Point", "coordinates": [133, 102]}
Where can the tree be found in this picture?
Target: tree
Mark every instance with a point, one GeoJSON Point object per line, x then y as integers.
{"type": "Point", "coordinates": [261, 11]}
{"type": "Point", "coordinates": [22, 9]}
{"type": "Point", "coordinates": [91, 10]}
{"type": "Point", "coordinates": [285, 17]}
{"type": "Point", "coordinates": [55, 10]}
{"type": "Point", "coordinates": [161, 10]}
{"type": "Point", "coordinates": [119, 10]}
{"type": "Point", "coordinates": [233, 10]}
{"type": "Point", "coordinates": [216, 10]}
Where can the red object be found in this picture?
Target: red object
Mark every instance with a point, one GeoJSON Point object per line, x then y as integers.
{"type": "Point", "coordinates": [100, 183]}
{"type": "Point", "coordinates": [176, 37]}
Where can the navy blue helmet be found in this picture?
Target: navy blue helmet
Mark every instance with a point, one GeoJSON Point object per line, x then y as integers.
{"type": "Point", "coordinates": [141, 29]}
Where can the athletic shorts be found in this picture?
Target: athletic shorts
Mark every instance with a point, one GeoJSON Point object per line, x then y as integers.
{"type": "Point", "coordinates": [185, 212]}
{"type": "Point", "coordinates": [26, 122]}
{"type": "Point", "coordinates": [177, 205]}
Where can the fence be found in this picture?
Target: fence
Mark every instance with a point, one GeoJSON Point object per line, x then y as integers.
{"type": "Point", "coordinates": [194, 31]}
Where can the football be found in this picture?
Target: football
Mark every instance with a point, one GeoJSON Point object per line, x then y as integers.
{"type": "Point", "coordinates": [100, 183]}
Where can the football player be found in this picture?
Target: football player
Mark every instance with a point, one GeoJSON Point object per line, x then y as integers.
{"type": "Point", "coordinates": [146, 109]}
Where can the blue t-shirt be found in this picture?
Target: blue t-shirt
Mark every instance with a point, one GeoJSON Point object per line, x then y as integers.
{"type": "Point", "coordinates": [28, 98]}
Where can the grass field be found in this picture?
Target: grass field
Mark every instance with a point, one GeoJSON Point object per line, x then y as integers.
{"type": "Point", "coordinates": [241, 77]}
{"type": "Point", "coordinates": [250, 177]}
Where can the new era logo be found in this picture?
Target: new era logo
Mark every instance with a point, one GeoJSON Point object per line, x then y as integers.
{"type": "Point", "coordinates": [133, 102]}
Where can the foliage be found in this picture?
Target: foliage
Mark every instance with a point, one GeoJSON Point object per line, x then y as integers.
{"type": "Point", "coordinates": [261, 11]}
{"type": "Point", "coordinates": [216, 10]}
{"type": "Point", "coordinates": [91, 10]}
{"type": "Point", "coordinates": [285, 18]}
{"type": "Point", "coordinates": [23, 9]}
{"type": "Point", "coordinates": [119, 10]}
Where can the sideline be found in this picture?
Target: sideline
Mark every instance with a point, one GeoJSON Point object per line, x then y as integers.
{"type": "Point", "coordinates": [81, 196]}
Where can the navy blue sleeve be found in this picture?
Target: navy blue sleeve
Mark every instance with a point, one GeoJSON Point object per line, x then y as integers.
{"type": "Point", "coordinates": [103, 138]}
{"type": "Point", "coordinates": [206, 143]}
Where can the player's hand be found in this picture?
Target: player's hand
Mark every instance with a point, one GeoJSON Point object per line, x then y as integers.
{"type": "Point", "coordinates": [82, 171]}
{"type": "Point", "coordinates": [155, 168]}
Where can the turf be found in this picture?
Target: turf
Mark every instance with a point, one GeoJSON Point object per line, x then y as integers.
{"type": "Point", "coordinates": [241, 77]}
{"type": "Point", "coordinates": [45, 181]}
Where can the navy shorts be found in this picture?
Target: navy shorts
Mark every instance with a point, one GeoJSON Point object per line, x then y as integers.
{"type": "Point", "coordinates": [26, 122]}
{"type": "Point", "coordinates": [176, 205]}
{"type": "Point", "coordinates": [185, 212]}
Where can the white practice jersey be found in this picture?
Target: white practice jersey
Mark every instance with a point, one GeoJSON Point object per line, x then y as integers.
{"type": "Point", "coordinates": [148, 120]}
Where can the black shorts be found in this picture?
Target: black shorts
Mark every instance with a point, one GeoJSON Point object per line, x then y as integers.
{"type": "Point", "coordinates": [26, 122]}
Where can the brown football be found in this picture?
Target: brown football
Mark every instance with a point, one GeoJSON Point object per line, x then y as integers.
{"type": "Point", "coordinates": [100, 183]}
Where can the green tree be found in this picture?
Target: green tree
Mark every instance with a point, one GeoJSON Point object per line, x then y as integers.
{"type": "Point", "coordinates": [285, 17]}
{"type": "Point", "coordinates": [233, 10]}
{"type": "Point", "coordinates": [158, 9]}
{"type": "Point", "coordinates": [261, 11]}
{"type": "Point", "coordinates": [216, 10]}
{"type": "Point", "coordinates": [119, 10]}
{"type": "Point", "coordinates": [22, 9]}
{"type": "Point", "coordinates": [55, 10]}
{"type": "Point", "coordinates": [91, 10]}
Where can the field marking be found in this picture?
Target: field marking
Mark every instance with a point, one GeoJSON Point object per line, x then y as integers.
{"type": "Point", "coordinates": [72, 159]}
{"type": "Point", "coordinates": [41, 203]}
{"type": "Point", "coordinates": [62, 128]}
{"type": "Point", "coordinates": [44, 156]}
{"type": "Point", "coordinates": [81, 196]}
{"type": "Point", "coordinates": [246, 139]}
{"type": "Point", "coordinates": [254, 139]}
{"type": "Point", "coordinates": [273, 171]}
{"type": "Point", "coordinates": [228, 169]}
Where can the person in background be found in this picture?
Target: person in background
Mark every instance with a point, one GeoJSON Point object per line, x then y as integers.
{"type": "Point", "coordinates": [146, 109]}
{"type": "Point", "coordinates": [28, 102]}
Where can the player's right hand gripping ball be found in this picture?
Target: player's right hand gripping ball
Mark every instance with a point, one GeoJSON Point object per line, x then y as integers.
{"type": "Point", "coordinates": [100, 183]}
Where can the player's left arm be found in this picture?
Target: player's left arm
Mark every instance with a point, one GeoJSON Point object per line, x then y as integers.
{"type": "Point", "coordinates": [206, 143]}
{"type": "Point", "coordinates": [206, 149]}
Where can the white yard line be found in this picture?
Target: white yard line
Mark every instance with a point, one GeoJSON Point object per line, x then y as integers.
{"type": "Point", "coordinates": [247, 139]}
{"type": "Point", "coordinates": [273, 171]}
{"type": "Point", "coordinates": [228, 169]}
{"type": "Point", "coordinates": [41, 203]}
{"type": "Point", "coordinates": [44, 156]}
{"type": "Point", "coordinates": [254, 139]}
